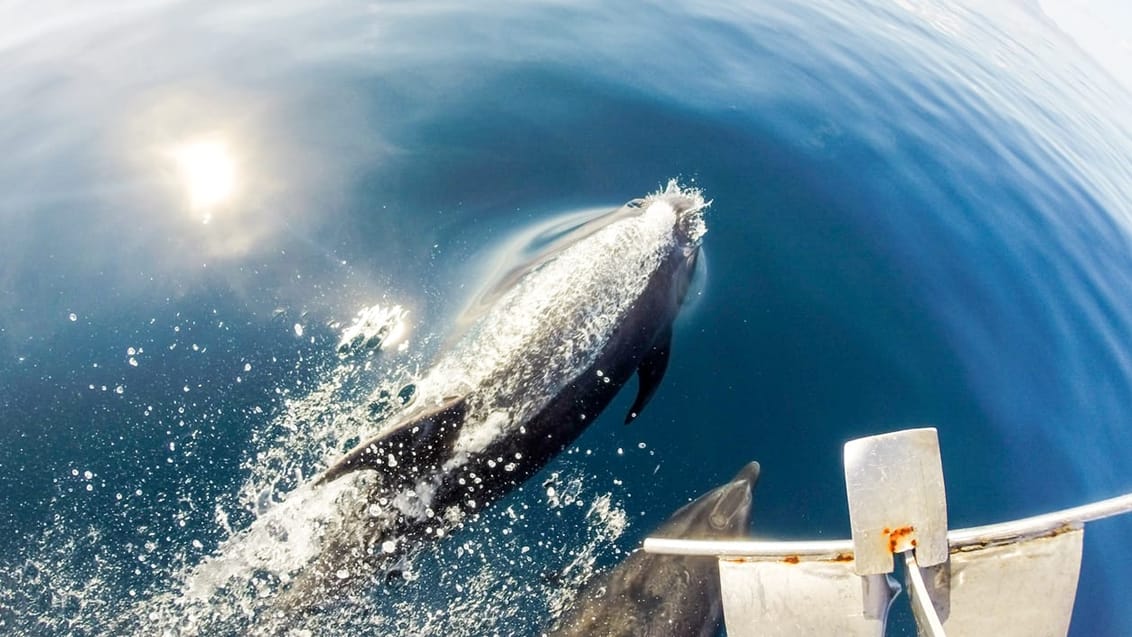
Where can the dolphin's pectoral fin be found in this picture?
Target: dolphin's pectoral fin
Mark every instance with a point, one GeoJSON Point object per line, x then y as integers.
{"type": "Point", "coordinates": [411, 445]}
{"type": "Point", "coordinates": [650, 373]}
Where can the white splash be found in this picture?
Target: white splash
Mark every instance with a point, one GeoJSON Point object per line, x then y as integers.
{"type": "Point", "coordinates": [375, 328]}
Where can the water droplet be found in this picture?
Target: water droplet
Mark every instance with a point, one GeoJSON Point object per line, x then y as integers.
{"type": "Point", "coordinates": [74, 317]}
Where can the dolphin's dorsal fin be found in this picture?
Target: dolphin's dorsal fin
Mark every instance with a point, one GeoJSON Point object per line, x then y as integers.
{"type": "Point", "coordinates": [413, 444]}
{"type": "Point", "coordinates": [650, 373]}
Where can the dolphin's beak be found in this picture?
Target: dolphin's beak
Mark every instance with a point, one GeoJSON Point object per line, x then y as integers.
{"type": "Point", "coordinates": [749, 473]}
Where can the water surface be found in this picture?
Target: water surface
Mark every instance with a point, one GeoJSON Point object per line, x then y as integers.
{"type": "Point", "coordinates": [921, 216]}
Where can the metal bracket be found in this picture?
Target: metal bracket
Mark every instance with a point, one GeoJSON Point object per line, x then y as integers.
{"type": "Point", "coordinates": [897, 503]}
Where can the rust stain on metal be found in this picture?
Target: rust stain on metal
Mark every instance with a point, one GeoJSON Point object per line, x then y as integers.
{"type": "Point", "coordinates": [982, 543]}
{"type": "Point", "coordinates": [843, 557]}
{"type": "Point", "coordinates": [791, 559]}
{"type": "Point", "coordinates": [897, 536]}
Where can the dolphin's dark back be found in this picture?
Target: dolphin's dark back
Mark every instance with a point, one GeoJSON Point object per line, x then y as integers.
{"type": "Point", "coordinates": [651, 595]}
{"type": "Point", "coordinates": [521, 383]}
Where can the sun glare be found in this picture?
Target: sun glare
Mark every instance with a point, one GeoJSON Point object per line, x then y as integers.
{"type": "Point", "coordinates": [208, 173]}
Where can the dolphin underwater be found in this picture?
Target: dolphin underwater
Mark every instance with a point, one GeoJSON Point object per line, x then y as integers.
{"type": "Point", "coordinates": [523, 381]}
{"type": "Point", "coordinates": [667, 595]}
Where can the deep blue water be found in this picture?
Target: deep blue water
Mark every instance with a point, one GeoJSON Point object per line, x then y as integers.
{"type": "Point", "coordinates": [921, 216]}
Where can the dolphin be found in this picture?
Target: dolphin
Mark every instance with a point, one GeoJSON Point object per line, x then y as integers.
{"type": "Point", "coordinates": [667, 595]}
{"type": "Point", "coordinates": [523, 381]}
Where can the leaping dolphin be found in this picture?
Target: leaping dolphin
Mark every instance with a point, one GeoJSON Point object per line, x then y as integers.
{"type": "Point", "coordinates": [667, 595]}
{"type": "Point", "coordinates": [522, 383]}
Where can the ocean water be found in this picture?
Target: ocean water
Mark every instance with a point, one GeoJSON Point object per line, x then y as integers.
{"type": "Point", "coordinates": [922, 214]}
